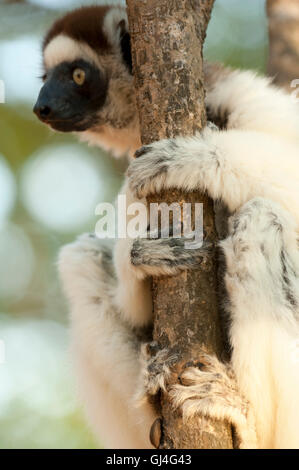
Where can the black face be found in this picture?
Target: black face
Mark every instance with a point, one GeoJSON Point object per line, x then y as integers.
{"type": "Point", "coordinates": [72, 95]}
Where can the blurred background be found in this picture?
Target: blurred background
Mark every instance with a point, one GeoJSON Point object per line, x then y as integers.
{"type": "Point", "coordinates": [49, 187]}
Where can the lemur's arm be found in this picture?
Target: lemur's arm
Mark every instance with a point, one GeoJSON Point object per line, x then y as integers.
{"type": "Point", "coordinates": [233, 165]}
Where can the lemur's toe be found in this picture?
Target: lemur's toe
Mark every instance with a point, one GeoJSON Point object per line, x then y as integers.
{"type": "Point", "coordinates": [157, 367]}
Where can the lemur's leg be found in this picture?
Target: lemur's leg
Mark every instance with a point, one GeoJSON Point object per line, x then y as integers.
{"type": "Point", "coordinates": [104, 348]}
{"type": "Point", "coordinates": [262, 281]}
{"type": "Point", "coordinates": [233, 166]}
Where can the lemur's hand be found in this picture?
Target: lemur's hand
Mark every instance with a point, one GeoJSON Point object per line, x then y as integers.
{"type": "Point", "coordinates": [168, 256]}
{"type": "Point", "coordinates": [148, 172]}
{"type": "Point", "coordinates": [180, 163]}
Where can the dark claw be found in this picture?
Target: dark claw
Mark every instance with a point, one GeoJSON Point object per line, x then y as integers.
{"type": "Point", "coordinates": [152, 348]}
{"type": "Point", "coordinates": [198, 364]}
{"type": "Point", "coordinates": [182, 381]}
{"type": "Point", "coordinates": [142, 151]}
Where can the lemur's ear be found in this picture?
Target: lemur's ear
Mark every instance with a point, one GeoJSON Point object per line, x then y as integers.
{"type": "Point", "coordinates": [117, 32]}
{"type": "Point", "coordinates": [125, 44]}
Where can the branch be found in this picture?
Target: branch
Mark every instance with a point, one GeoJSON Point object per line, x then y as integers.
{"type": "Point", "coordinates": [283, 61]}
{"type": "Point", "coordinates": [167, 38]}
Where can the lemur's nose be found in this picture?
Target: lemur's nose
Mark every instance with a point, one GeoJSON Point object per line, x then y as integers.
{"type": "Point", "coordinates": [42, 111]}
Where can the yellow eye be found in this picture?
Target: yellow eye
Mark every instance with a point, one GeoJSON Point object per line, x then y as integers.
{"type": "Point", "coordinates": [79, 76]}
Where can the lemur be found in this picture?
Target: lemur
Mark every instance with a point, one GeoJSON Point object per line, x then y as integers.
{"type": "Point", "coordinates": [251, 164]}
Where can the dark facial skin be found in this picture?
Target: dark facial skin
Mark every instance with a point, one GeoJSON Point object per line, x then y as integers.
{"type": "Point", "coordinates": [67, 106]}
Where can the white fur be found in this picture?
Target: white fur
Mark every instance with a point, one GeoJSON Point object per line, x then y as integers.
{"type": "Point", "coordinates": [111, 21]}
{"type": "Point", "coordinates": [120, 142]}
{"type": "Point", "coordinates": [265, 325]}
{"type": "Point", "coordinates": [133, 293]}
{"type": "Point", "coordinates": [234, 165]}
{"type": "Point", "coordinates": [63, 48]}
{"type": "Point", "coordinates": [104, 349]}
{"type": "Point", "coordinates": [254, 104]}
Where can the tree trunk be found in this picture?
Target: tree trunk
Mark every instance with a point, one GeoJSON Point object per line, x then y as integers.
{"type": "Point", "coordinates": [167, 38]}
{"type": "Point", "coordinates": [283, 62]}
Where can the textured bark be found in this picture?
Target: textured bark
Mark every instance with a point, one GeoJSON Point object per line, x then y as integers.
{"type": "Point", "coordinates": [283, 62]}
{"type": "Point", "coordinates": [167, 38]}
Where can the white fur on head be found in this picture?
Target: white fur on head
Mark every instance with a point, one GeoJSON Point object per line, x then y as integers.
{"type": "Point", "coordinates": [111, 28]}
{"type": "Point", "coordinates": [62, 48]}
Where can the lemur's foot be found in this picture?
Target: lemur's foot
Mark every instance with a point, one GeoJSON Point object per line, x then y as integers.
{"type": "Point", "coordinates": [208, 388]}
{"type": "Point", "coordinates": [157, 367]}
{"type": "Point", "coordinates": [168, 256]}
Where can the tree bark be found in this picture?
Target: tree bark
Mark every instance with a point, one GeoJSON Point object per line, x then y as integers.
{"type": "Point", "coordinates": [167, 38]}
{"type": "Point", "coordinates": [283, 63]}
